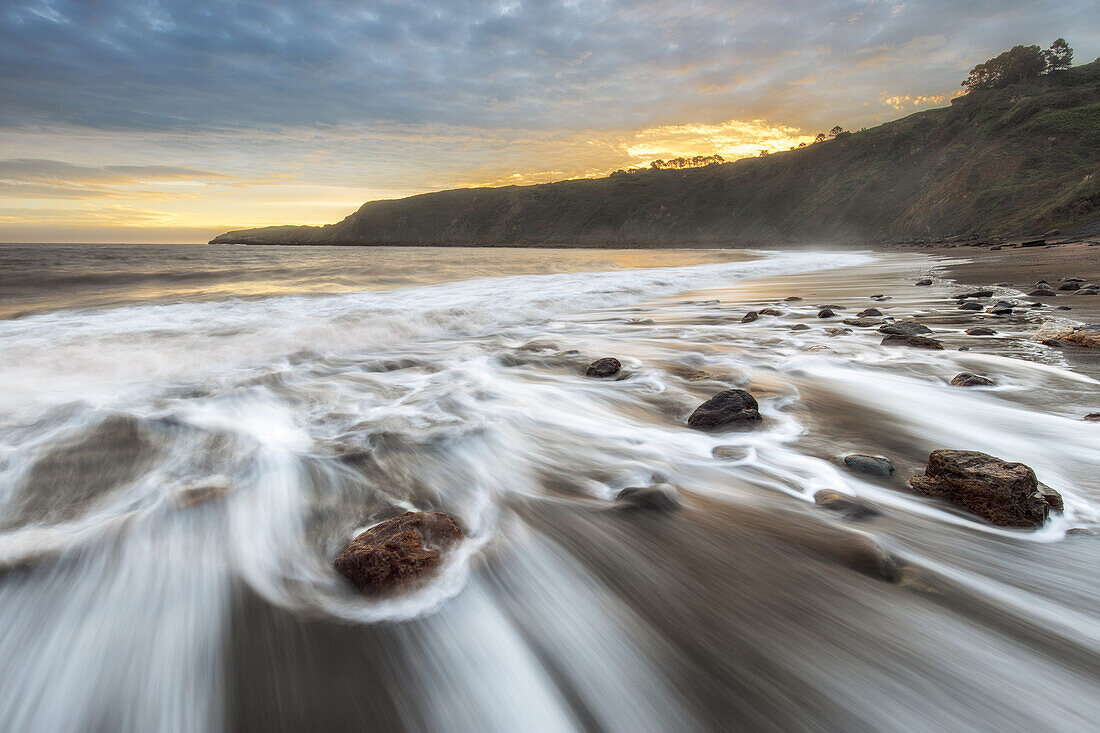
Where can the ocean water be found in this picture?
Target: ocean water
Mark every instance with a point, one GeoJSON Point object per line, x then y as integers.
{"type": "Point", "coordinates": [311, 392]}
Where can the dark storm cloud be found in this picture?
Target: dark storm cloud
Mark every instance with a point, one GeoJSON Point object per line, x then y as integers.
{"type": "Point", "coordinates": [188, 65]}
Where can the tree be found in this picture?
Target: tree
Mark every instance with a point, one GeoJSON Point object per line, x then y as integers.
{"type": "Point", "coordinates": [836, 131]}
{"type": "Point", "coordinates": [1059, 56]}
{"type": "Point", "coordinates": [820, 138]}
{"type": "Point", "coordinates": [1019, 64]}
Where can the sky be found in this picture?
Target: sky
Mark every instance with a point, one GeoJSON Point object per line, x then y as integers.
{"type": "Point", "coordinates": [175, 120]}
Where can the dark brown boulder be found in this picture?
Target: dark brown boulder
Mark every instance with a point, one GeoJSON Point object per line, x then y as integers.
{"type": "Point", "coordinates": [967, 379]}
{"type": "Point", "coordinates": [1003, 493]}
{"type": "Point", "coordinates": [397, 552]}
{"type": "Point", "coordinates": [771, 312]}
{"type": "Point", "coordinates": [732, 407]}
{"type": "Point", "coordinates": [916, 342]}
{"type": "Point", "coordinates": [825, 313]}
{"type": "Point", "coordinates": [924, 282]}
{"type": "Point", "coordinates": [750, 317]}
{"type": "Point", "coordinates": [970, 305]}
{"type": "Point", "coordinates": [606, 367]}
{"type": "Point", "coordinates": [1042, 293]}
{"type": "Point", "coordinates": [905, 328]}
{"type": "Point", "coordinates": [869, 313]}
{"type": "Point", "coordinates": [980, 331]}
{"type": "Point", "coordinates": [1092, 417]}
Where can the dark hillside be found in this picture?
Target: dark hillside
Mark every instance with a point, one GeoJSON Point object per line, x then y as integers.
{"type": "Point", "coordinates": [1024, 156]}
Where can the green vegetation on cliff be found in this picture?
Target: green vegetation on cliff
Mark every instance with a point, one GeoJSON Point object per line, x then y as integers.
{"type": "Point", "coordinates": [1023, 156]}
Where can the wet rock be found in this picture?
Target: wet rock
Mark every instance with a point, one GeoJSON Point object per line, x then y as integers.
{"type": "Point", "coordinates": [975, 294]}
{"type": "Point", "coordinates": [980, 331]}
{"type": "Point", "coordinates": [1042, 293]}
{"type": "Point", "coordinates": [657, 498]}
{"type": "Point", "coordinates": [869, 313]}
{"type": "Point", "coordinates": [726, 409]}
{"type": "Point", "coordinates": [964, 348]}
{"type": "Point", "coordinates": [1070, 285]}
{"type": "Point", "coordinates": [825, 313]}
{"type": "Point", "coordinates": [750, 317]}
{"type": "Point", "coordinates": [924, 282]}
{"type": "Point", "coordinates": [792, 299]}
{"type": "Point", "coordinates": [848, 506]}
{"type": "Point", "coordinates": [1034, 243]}
{"type": "Point", "coordinates": [770, 312]}
{"type": "Point", "coordinates": [1087, 291]}
{"type": "Point", "coordinates": [970, 305]}
{"type": "Point", "coordinates": [1004, 493]}
{"type": "Point", "coordinates": [734, 452]}
{"type": "Point", "coordinates": [880, 297]}
{"type": "Point", "coordinates": [198, 495]}
{"type": "Point", "coordinates": [1085, 338]}
{"type": "Point", "coordinates": [397, 552]}
{"type": "Point", "coordinates": [916, 342]}
{"type": "Point", "coordinates": [905, 328]}
{"type": "Point", "coordinates": [1063, 308]}
{"type": "Point", "coordinates": [863, 322]}
{"type": "Point", "coordinates": [606, 367]}
{"type": "Point", "coordinates": [800, 327]}
{"type": "Point", "coordinates": [967, 379]}
{"type": "Point", "coordinates": [872, 465]}
{"type": "Point", "coordinates": [1092, 417]}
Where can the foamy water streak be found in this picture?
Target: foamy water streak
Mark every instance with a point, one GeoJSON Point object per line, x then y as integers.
{"type": "Point", "coordinates": [298, 421]}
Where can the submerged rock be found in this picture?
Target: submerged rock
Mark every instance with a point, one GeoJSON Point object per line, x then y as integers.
{"type": "Point", "coordinates": [869, 313]}
{"type": "Point", "coordinates": [864, 322]}
{"type": "Point", "coordinates": [658, 498]}
{"type": "Point", "coordinates": [606, 367]}
{"type": "Point", "coordinates": [848, 506]}
{"type": "Point", "coordinates": [1004, 493]}
{"type": "Point", "coordinates": [1042, 293]}
{"type": "Point", "coordinates": [739, 453]}
{"type": "Point", "coordinates": [825, 313]}
{"type": "Point", "coordinates": [916, 342]}
{"type": "Point", "coordinates": [967, 379]}
{"type": "Point", "coordinates": [873, 465]}
{"type": "Point", "coordinates": [800, 327]}
{"type": "Point", "coordinates": [771, 312]}
{"type": "Point", "coordinates": [923, 282]}
{"type": "Point", "coordinates": [905, 328]}
{"type": "Point", "coordinates": [732, 407]}
{"type": "Point", "coordinates": [397, 552]}
{"type": "Point", "coordinates": [970, 305]}
{"type": "Point", "coordinates": [750, 317]}
{"type": "Point", "coordinates": [980, 331]}
{"type": "Point", "coordinates": [792, 299]}
{"type": "Point", "coordinates": [1092, 417]}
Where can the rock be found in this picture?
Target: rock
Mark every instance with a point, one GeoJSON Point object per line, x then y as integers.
{"type": "Point", "coordinates": [970, 305]}
{"type": "Point", "coordinates": [1006, 494]}
{"type": "Point", "coordinates": [1070, 285]}
{"type": "Point", "coordinates": [1042, 293]}
{"type": "Point", "coordinates": [837, 331]}
{"type": "Point", "coordinates": [732, 407]}
{"type": "Point", "coordinates": [1063, 308]}
{"type": "Point", "coordinates": [995, 248]}
{"type": "Point", "coordinates": [880, 297]}
{"type": "Point", "coordinates": [1087, 291]}
{"type": "Point", "coordinates": [1092, 417]}
{"type": "Point", "coordinates": [1084, 337]}
{"type": "Point", "coordinates": [197, 495]}
{"type": "Point", "coordinates": [1034, 243]}
{"type": "Point", "coordinates": [730, 452]}
{"type": "Point", "coordinates": [863, 322]}
{"type": "Point", "coordinates": [980, 331]}
{"type": "Point", "coordinates": [1001, 311]}
{"type": "Point", "coordinates": [873, 465]}
{"type": "Point", "coordinates": [800, 327]}
{"type": "Point", "coordinates": [964, 348]}
{"type": "Point", "coordinates": [825, 313]}
{"type": "Point", "coordinates": [966, 379]}
{"type": "Point", "coordinates": [750, 317]}
{"type": "Point", "coordinates": [869, 313]}
{"type": "Point", "coordinates": [792, 299]}
{"type": "Point", "coordinates": [658, 498]}
{"type": "Point", "coordinates": [924, 282]}
{"type": "Point", "coordinates": [975, 294]}
{"type": "Point", "coordinates": [397, 552]}
{"type": "Point", "coordinates": [606, 367]}
{"type": "Point", "coordinates": [905, 328]}
{"type": "Point", "coordinates": [1042, 284]}
{"type": "Point", "coordinates": [916, 342]}
{"type": "Point", "coordinates": [770, 312]}
{"type": "Point", "coordinates": [849, 507]}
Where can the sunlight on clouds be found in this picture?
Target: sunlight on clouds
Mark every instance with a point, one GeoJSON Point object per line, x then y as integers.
{"type": "Point", "coordinates": [907, 101]}
{"type": "Point", "coordinates": [733, 139]}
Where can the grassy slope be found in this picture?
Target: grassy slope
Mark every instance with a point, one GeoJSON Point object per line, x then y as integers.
{"type": "Point", "coordinates": [1022, 157]}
